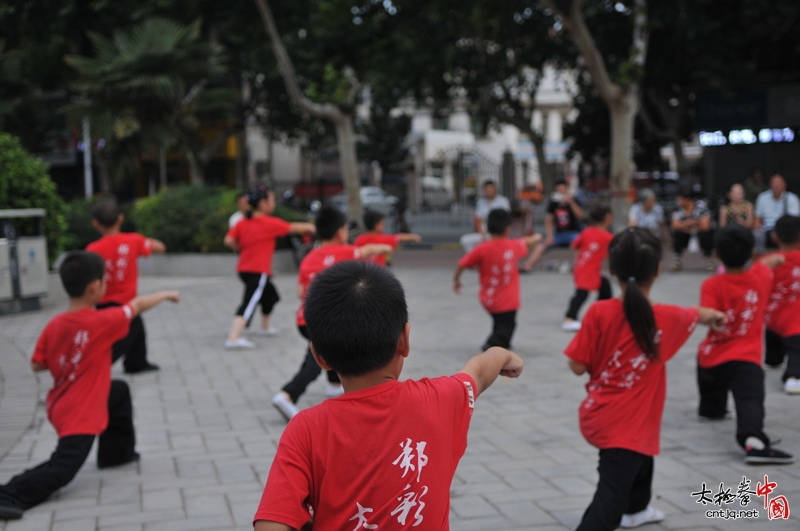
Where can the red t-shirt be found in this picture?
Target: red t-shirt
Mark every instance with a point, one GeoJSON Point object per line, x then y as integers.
{"type": "Point", "coordinates": [496, 261]}
{"type": "Point", "coordinates": [120, 251]}
{"type": "Point", "coordinates": [592, 247]}
{"type": "Point", "coordinates": [743, 298]}
{"type": "Point", "coordinates": [318, 259]}
{"type": "Point", "coordinates": [386, 239]}
{"type": "Point", "coordinates": [379, 458]}
{"type": "Point", "coordinates": [256, 238]}
{"type": "Point", "coordinates": [76, 349]}
{"type": "Point", "coordinates": [626, 389]}
{"type": "Point", "coordinates": [783, 310]}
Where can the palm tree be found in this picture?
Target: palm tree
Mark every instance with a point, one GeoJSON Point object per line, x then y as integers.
{"type": "Point", "coordinates": [148, 90]}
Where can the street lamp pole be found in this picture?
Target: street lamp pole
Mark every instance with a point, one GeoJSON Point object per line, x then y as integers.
{"type": "Point", "coordinates": [87, 159]}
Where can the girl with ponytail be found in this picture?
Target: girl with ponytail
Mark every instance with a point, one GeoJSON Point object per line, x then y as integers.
{"type": "Point", "coordinates": [623, 345]}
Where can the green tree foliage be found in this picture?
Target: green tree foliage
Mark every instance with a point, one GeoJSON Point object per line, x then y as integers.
{"type": "Point", "coordinates": [150, 88]}
{"type": "Point", "coordinates": [24, 183]}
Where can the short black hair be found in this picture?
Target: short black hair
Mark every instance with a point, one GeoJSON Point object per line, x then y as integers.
{"type": "Point", "coordinates": [686, 192]}
{"type": "Point", "coordinates": [560, 182]}
{"type": "Point", "coordinates": [598, 213]}
{"type": "Point", "coordinates": [372, 218]}
{"type": "Point", "coordinates": [489, 182]}
{"type": "Point", "coordinates": [329, 220]}
{"type": "Point", "coordinates": [787, 229]}
{"type": "Point", "coordinates": [79, 269]}
{"type": "Point", "coordinates": [498, 221]}
{"type": "Point", "coordinates": [106, 212]}
{"type": "Point", "coordinates": [734, 245]}
{"type": "Point", "coordinates": [355, 312]}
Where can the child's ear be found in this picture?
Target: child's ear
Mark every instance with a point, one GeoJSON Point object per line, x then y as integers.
{"type": "Point", "coordinates": [507, 232]}
{"type": "Point", "coordinates": [403, 342]}
{"type": "Point", "coordinates": [97, 225]}
{"type": "Point", "coordinates": [321, 362]}
{"type": "Point", "coordinates": [121, 219]}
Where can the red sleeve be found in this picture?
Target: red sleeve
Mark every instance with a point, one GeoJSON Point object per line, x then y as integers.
{"type": "Point", "coordinates": [708, 295]}
{"type": "Point", "coordinates": [278, 227]}
{"type": "Point", "coordinates": [144, 247]}
{"type": "Point", "coordinates": [233, 232]}
{"type": "Point", "coordinates": [521, 250]}
{"type": "Point", "coordinates": [40, 352]}
{"type": "Point", "coordinates": [286, 494]}
{"type": "Point", "coordinates": [676, 330]}
{"type": "Point", "coordinates": [361, 240]}
{"type": "Point", "coordinates": [352, 253]}
{"type": "Point", "coordinates": [116, 321]}
{"type": "Point", "coordinates": [472, 259]}
{"type": "Point", "coordinates": [577, 242]}
{"type": "Point", "coordinates": [303, 275]}
{"type": "Point", "coordinates": [464, 396]}
{"type": "Point", "coordinates": [586, 339]}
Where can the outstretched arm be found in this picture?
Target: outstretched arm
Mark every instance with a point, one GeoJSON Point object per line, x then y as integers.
{"type": "Point", "coordinates": [532, 240]}
{"type": "Point", "coordinates": [143, 303]}
{"type": "Point", "coordinates": [372, 249]}
{"type": "Point", "coordinates": [406, 237]}
{"type": "Point", "coordinates": [263, 525]}
{"type": "Point", "coordinates": [773, 260]}
{"type": "Point", "coordinates": [714, 319]}
{"type": "Point", "coordinates": [485, 368]}
{"type": "Point", "coordinates": [157, 246]}
{"type": "Point", "coordinates": [457, 279]}
{"type": "Point", "coordinates": [302, 228]}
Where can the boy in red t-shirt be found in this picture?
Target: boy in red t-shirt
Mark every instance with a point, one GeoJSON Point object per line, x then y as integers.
{"type": "Point", "coordinates": [624, 345]}
{"type": "Point", "coordinates": [496, 260]}
{"type": "Point", "coordinates": [783, 311]}
{"type": "Point", "coordinates": [730, 359]}
{"type": "Point", "coordinates": [591, 249]}
{"type": "Point", "coordinates": [373, 222]}
{"type": "Point", "coordinates": [120, 250]}
{"type": "Point", "coordinates": [84, 402]}
{"type": "Point", "coordinates": [331, 226]}
{"type": "Point", "coordinates": [383, 455]}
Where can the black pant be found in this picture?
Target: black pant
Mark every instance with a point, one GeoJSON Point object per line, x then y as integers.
{"type": "Point", "coordinates": [132, 347]}
{"type": "Point", "coordinates": [680, 241]}
{"type": "Point", "coordinates": [308, 372]}
{"type": "Point", "coordinates": [746, 381]}
{"type": "Point", "coordinates": [769, 243]}
{"type": "Point", "coordinates": [115, 447]}
{"type": "Point", "coordinates": [581, 295]}
{"type": "Point", "coordinates": [503, 325]}
{"type": "Point", "coordinates": [258, 290]}
{"type": "Point", "coordinates": [624, 488]}
{"type": "Point", "coordinates": [779, 348]}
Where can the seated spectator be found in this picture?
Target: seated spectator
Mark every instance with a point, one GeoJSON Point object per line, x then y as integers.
{"type": "Point", "coordinates": [692, 217]}
{"type": "Point", "coordinates": [562, 224]}
{"type": "Point", "coordinates": [738, 210]}
{"type": "Point", "coordinates": [647, 214]}
{"type": "Point", "coordinates": [773, 204]}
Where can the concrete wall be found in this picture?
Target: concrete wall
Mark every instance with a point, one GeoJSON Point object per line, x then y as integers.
{"type": "Point", "coordinates": [206, 264]}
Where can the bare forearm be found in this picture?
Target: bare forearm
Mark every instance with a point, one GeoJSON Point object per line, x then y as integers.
{"type": "Point", "coordinates": [485, 368]}
{"type": "Point", "coordinates": [302, 228]}
{"type": "Point", "coordinates": [157, 246]}
{"type": "Point", "coordinates": [143, 303]}
{"type": "Point", "coordinates": [372, 249]}
{"type": "Point", "coordinates": [230, 243]}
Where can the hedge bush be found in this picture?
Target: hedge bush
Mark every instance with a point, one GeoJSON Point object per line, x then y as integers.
{"type": "Point", "coordinates": [80, 231]}
{"type": "Point", "coordinates": [188, 219]}
{"type": "Point", "coordinates": [24, 183]}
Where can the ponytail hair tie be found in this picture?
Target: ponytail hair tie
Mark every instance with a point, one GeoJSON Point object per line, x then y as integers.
{"type": "Point", "coordinates": [631, 279]}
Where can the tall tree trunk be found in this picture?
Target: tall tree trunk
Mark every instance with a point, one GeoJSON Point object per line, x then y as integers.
{"type": "Point", "coordinates": [342, 120]}
{"type": "Point", "coordinates": [345, 138]}
{"type": "Point", "coordinates": [680, 159]}
{"type": "Point", "coordinates": [105, 174]}
{"type": "Point", "coordinates": [546, 170]}
{"type": "Point", "coordinates": [623, 118]}
{"type": "Point", "coordinates": [195, 170]}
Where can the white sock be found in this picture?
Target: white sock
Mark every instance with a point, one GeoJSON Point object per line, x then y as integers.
{"type": "Point", "coordinates": [754, 442]}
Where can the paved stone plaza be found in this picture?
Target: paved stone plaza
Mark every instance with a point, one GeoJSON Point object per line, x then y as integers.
{"type": "Point", "coordinates": [207, 431]}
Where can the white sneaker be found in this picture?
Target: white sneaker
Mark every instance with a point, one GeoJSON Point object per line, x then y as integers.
{"type": "Point", "coordinates": [284, 406]}
{"type": "Point", "coordinates": [239, 344]}
{"type": "Point", "coordinates": [648, 516]}
{"type": "Point", "coordinates": [792, 386]}
{"type": "Point", "coordinates": [332, 391]}
{"type": "Point", "coordinates": [570, 326]}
